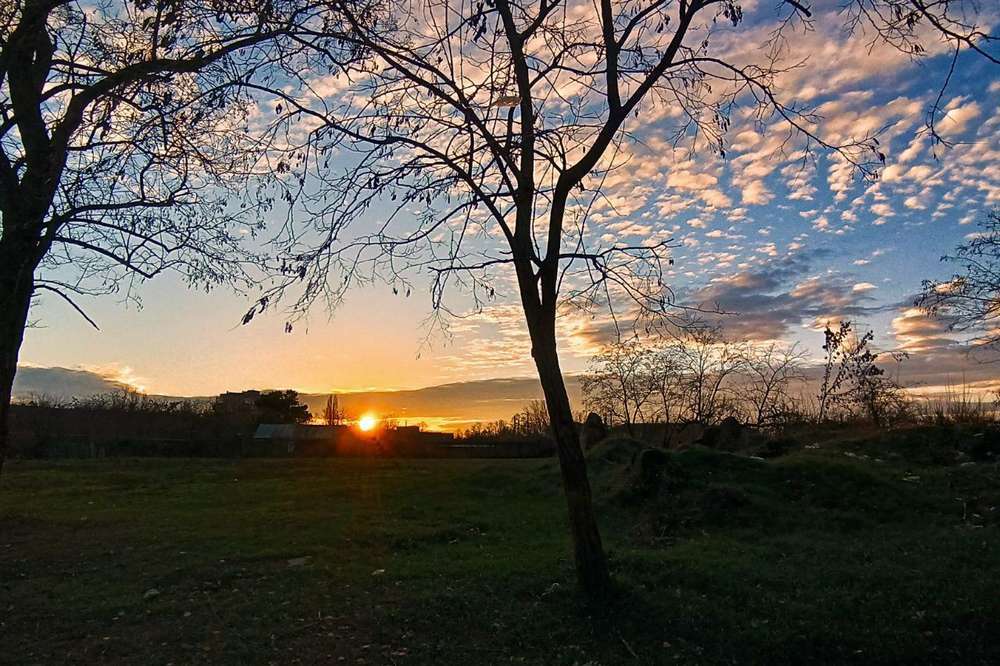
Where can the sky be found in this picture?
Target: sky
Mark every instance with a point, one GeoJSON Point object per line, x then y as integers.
{"type": "Point", "coordinates": [782, 244]}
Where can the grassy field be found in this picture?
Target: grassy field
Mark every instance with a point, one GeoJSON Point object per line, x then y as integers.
{"type": "Point", "coordinates": [821, 555]}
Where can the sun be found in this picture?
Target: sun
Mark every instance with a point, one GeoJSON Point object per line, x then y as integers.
{"type": "Point", "coordinates": [367, 422]}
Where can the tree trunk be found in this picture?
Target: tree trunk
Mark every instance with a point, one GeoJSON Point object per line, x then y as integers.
{"type": "Point", "coordinates": [588, 551]}
{"type": "Point", "coordinates": [16, 287]}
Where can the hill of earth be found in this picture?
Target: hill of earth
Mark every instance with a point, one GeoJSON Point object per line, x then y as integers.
{"type": "Point", "coordinates": [853, 548]}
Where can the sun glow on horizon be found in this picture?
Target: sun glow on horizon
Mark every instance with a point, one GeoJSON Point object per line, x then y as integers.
{"type": "Point", "coordinates": [367, 422]}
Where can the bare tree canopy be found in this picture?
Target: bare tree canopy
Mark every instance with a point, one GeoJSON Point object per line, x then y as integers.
{"type": "Point", "coordinates": [621, 382]}
{"type": "Point", "coordinates": [333, 413]}
{"type": "Point", "coordinates": [970, 300]}
{"type": "Point", "coordinates": [121, 130]}
{"type": "Point", "coordinates": [126, 147]}
{"type": "Point", "coordinates": [771, 370]}
{"type": "Point", "coordinates": [477, 136]}
{"type": "Point", "coordinates": [701, 377]}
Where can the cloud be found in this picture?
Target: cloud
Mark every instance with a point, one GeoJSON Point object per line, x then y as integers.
{"type": "Point", "coordinates": [686, 180]}
{"type": "Point", "coordinates": [882, 210]}
{"type": "Point", "coordinates": [939, 364]}
{"type": "Point", "coordinates": [447, 406]}
{"type": "Point", "coordinates": [769, 301]}
{"type": "Point", "coordinates": [66, 383]}
{"type": "Point", "coordinates": [917, 332]}
{"type": "Point", "coordinates": [957, 116]}
{"type": "Point", "coordinates": [755, 192]}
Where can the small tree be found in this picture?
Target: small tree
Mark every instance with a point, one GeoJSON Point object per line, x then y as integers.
{"type": "Point", "coordinates": [712, 364]}
{"type": "Point", "coordinates": [533, 420]}
{"type": "Point", "coordinates": [769, 373]}
{"type": "Point", "coordinates": [333, 413]}
{"type": "Point", "coordinates": [667, 375]}
{"type": "Point", "coordinates": [841, 346]}
{"type": "Point", "coordinates": [619, 385]}
{"type": "Point", "coordinates": [852, 381]}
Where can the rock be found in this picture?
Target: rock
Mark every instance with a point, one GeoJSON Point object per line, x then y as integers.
{"type": "Point", "coordinates": [298, 561]}
{"type": "Point", "coordinates": [151, 593]}
{"type": "Point", "coordinates": [732, 434]}
{"type": "Point", "coordinates": [647, 475]}
{"type": "Point", "coordinates": [652, 463]}
{"type": "Point", "coordinates": [729, 435]}
{"type": "Point", "coordinates": [593, 431]}
{"type": "Point", "coordinates": [774, 448]}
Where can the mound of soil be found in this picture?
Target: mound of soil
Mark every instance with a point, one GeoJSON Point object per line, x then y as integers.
{"type": "Point", "coordinates": [627, 470]}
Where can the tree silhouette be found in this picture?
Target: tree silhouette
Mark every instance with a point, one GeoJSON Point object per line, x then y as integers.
{"type": "Point", "coordinates": [852, 380]}
{"type": "Point", "coordinates": [333, 413]}
{"type": "Point", "coordinates": [127, 150]}
{"type": "Point", "coordinates": [970, 300]}
{"type": "Point", "coordinates": [281, 407]}
{"type": "Point", "coordinates": [478, 134]}
{"type": "Point", "coordinates": [621, 383]}
{"type": "Point", "coordinates": [770, 370]}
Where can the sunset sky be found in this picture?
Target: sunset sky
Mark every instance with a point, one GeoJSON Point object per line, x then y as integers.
{"type": "Point", "coordinates": [787, 246]}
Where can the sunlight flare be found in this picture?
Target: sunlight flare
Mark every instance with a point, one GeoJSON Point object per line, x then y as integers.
{"type": "Point", "coordinates": [367, 422]}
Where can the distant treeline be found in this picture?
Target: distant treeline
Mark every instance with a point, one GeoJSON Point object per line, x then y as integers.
{"type": "Point", "coordinates": [128, 422]}
{"type": "Point", "coordinates": [532, 422]}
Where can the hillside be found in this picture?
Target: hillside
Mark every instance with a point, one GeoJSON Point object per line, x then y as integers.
{"type": "Point", "coordinates": [854, 551]}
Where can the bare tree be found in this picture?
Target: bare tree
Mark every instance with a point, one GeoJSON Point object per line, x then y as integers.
{"type": "Point", "coordinates": [769, 372]}
{"type": "Point", "coordinates": [333, 413]}
{"type": "Point", "coordinates": [532, 420]}
{"type": "Point", "coordinates": [970, 300]}
{"type": "Point", "coordinates": [667, 375]}
{"type": "Point", "coordinates": [881, 398]}
{"type": "Point", "coordinates": [852, 383]}
{"type": "Point", "coordinates": [840, 344]}
{"type": "Point", "coordinates": [712, 364]}
{"type": "Point", "coordinates": [478, 134]}
{"type": "Point", "coordinates": [125, 149]}
{"type": "Point", "coordinates": [620, 384]}
{"type": "Point", "coordinates": [700, 377]}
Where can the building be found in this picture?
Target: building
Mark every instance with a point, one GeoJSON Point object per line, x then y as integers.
{"type": "Point", "coordinates": [298, 439]}
{"type": "Point", "coordinates": [236, 403]}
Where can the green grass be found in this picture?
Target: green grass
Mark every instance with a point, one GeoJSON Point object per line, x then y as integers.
{"type": "Point", "coordinates": [813, 557]}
